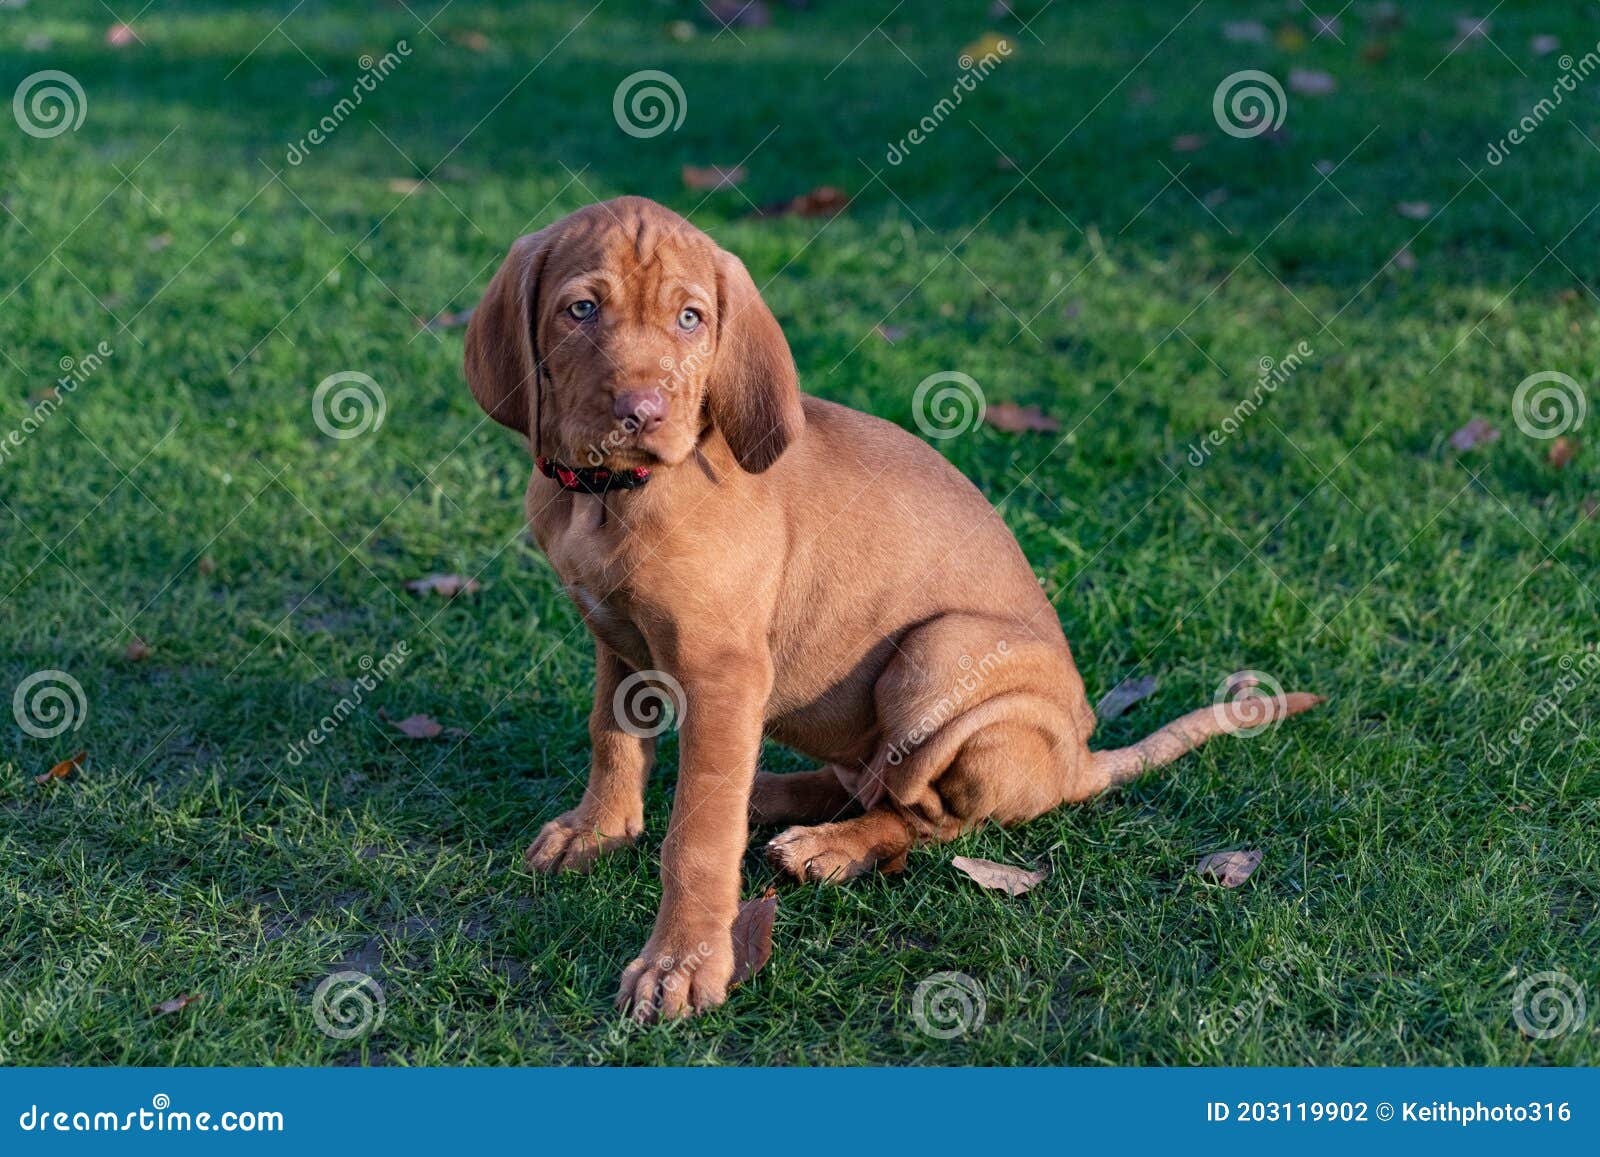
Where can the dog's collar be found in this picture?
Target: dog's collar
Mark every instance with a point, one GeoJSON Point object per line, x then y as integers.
{"type": "Point", "coordinates": [593, 479]}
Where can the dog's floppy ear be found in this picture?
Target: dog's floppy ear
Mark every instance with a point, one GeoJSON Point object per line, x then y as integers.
{"type": "Point", "coordinates": [753, 394]}
{"type": "Point", "coordinates": [500, 361]}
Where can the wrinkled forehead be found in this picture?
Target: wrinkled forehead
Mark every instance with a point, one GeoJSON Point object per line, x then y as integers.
{"type": "Point", "coordinates": [636, 252]}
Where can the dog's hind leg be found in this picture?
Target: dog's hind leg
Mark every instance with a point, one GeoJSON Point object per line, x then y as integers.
{"type": "Point", "coordinates": [836, 852]}
{"type": "Point", "coordinates": [811, 797]}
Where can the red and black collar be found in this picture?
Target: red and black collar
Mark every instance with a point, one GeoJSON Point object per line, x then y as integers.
{"type": "Point", "coordinates": [593, 479]}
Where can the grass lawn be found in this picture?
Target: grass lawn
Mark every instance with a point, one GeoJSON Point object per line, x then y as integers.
{"type": "Point", "coordinates": [1078, 234]}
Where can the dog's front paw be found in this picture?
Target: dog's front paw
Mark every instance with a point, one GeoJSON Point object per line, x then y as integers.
{"type": "Point", "coordinates": [678, 975]}
{"type": "Point", "coordinates": [574, 841]}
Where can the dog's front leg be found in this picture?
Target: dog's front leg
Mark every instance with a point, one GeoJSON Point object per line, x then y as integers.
{"type": "Point", "coordinates": [611, 814]}
{"type": "Point", "coordinates": [687, 963]}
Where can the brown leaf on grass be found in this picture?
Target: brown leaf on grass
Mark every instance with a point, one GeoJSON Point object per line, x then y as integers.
{"type": "Point", "coordinates": [1591, 507]}
{"type": "Point", "coordinates": [63, 769]}
{"type": "Point", "coordinates": [448, 319]}
{"type": "Point", "coordinates": [708, 177]}
{"type": "Point", "coordinates": [1013, 881]}
{"type": "Point", "coordinates": [1311, 82]}
{"type": "Point", "coordinates": [823, 201]}
{"type": "Point", "coordinates": [1230, 869]}
{"type": "Point", "coordinates": [448, 585]}
{"type": "Point", "coordinates": [890, 333]}
{"type": "Point", "coordinates": [136, 650]}
{"type": "Point", "coordinates": [120, 35]}
{"type": "Point", "coordinates": [1015, 419]}
{"type": "Point", "coordinates": [48, 394]}
{"type": "Point", "coordinates": [1188, 142]}
{"type": "Point", "coordinates": [989, 44]}
{"type": "Point", "coordinates": [1416, 210]}
{"type": "Point", "coordinates": [752, 935]}
{"type": "Point", "coordinates": [176, 1003]}
{"type": "Point", "coordinates": [207, 564]}
{"type": "Point", "coordinates": [159, 242]}
{"type": "Point", "coordinates": [414, 726]}
{"type": "Point", "coordinates": [1475, 433]}
{"type": "Point", "coordinates": [405, 185]}
{"type": "Point", "coordinates": [1404, 259]}
{"type": "Point", "coordinates": [472, 40]}
{"type": "Point", "coordinates": [1375, 51]}
{"type": "Point", "coordinates": [1123, 696]}
{"type": "Point", "coordinates": [1562, 451]}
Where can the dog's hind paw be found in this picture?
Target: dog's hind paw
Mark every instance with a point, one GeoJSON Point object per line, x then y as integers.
{"type": "Point", "coordinates": [818, 854]}
{"type": "Point", "coordinates": [572, 843]}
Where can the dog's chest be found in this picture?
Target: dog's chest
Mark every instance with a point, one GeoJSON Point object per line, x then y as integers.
{"type": "Point", "coordinates": [596, 584]}
{"type": "Point", "coordinates": [610, 623]}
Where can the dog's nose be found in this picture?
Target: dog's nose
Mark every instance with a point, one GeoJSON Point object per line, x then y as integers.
{"type": "Point", "coordinates": [645, 409]}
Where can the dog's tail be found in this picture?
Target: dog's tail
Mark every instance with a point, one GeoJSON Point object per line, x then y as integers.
{"type": "Point", "coordinates": [1181, 736]}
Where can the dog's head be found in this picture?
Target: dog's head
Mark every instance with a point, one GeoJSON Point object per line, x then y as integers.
{"type": "Point", "coordinates": [647, 334]}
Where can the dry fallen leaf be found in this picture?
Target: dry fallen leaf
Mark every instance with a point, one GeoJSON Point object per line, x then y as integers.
{"type": "Point", "coordinates": [1416, 210]}
{"type": "Point", "coordinates": [1230, 869]}
{"type": "Point", "coordinates": [472, 39]}
{"type": "Point", "coordinates": [449, 319]}
{"type": "Point", "coordinates": [136, 649]}
{"type": "Point", "coordinates": [175, 1004]}
{"type": "Point", "coordinates": [1015, 419]}
{"type": "Point", "coordinates": [62, 769]}
{"type": "Point", "coordinates": [1188, 142]}
{"type": "Point", "coordinates": [1005, 878]}
{"type": "Point", "coordinates": [1591, 507]}
{"type": "Point", "coordinates": [1123, 696]}
{"type": "Point", "coordinates": [890, 333]}
{"type": "Point", "coordinates": [1475, 433]}
{"type": "Point", "coordinates": [120, 35]}
{"type": "Point", "coordinates": [1404, 259]}
{"type": "Point", "coordinates": [207, 564]}
{"type": "Point", "coordinates": [823, 201]}
{"type": "Point", "coordinates": [159, 242]}
{"type": "Point", "coordinates": [752, 935]}
{"type": "Point", "coordinates": [448, 585]}
{"type": "Point", "coordinates": [1375, 51]}
{"type": "Point", "coordinates": [1562, 451]}
{"type": "Point", "coordinates": [1311, 82]}
{"type": "Point", "coordinates": [708, 177]}
{"type": "Point", "coordinates": [738, 13]}
{"type": "Point", "coordinates": [405, 185]}
{"type": "Point", "coordinates": [987, 44]}
{"type": "Point", "coordinates": [414, 726]}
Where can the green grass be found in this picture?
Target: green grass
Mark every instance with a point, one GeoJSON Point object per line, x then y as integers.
{"type": "Point", "coordinates": [183, 494]}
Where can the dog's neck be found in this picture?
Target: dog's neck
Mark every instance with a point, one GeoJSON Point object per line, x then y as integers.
{"type": "Point", "coordinates": [592, 479]}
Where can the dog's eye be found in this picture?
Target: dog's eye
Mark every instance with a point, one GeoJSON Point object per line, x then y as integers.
{"type": "Point", "coordinates": [579, 310]}
{"type": "Point", "coordinates": [688, 319]}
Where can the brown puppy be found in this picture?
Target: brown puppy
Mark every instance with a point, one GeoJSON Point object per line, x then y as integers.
{"type": "Point", "coordinates": [789, 567]}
